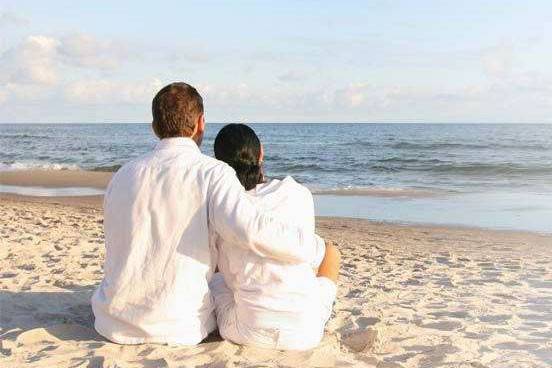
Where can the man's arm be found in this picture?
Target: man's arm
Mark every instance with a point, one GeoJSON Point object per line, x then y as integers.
{"type": "Point", "coordinates": [238, 220]}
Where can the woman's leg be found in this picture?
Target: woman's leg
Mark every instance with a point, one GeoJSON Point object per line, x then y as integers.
{"type": "Point", "coordinates": [224, 306]}
{"type": "Point", "coordinates": [228, 322]}
{"type": "Point", "coordinates": [329, 267]}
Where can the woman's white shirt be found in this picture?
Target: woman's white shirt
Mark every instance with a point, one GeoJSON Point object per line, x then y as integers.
{"type": "Point", "coordinates": [269, 294]}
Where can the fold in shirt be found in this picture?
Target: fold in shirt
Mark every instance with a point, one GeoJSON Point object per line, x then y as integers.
{"type": "Point", "coordinates": [158, 211]}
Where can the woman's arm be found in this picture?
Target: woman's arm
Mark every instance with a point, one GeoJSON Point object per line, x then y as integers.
{"type": "Point", "coordinates": [329, 267]}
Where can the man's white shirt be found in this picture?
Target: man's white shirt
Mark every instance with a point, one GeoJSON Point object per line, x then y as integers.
{"type": "Point", "coordinates": [158, 210]}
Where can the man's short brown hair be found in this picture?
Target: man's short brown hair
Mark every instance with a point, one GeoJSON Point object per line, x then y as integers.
{"type": "Point", "coordinates": [175, 109]}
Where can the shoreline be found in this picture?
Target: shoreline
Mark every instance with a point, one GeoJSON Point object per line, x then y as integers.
{"type": "Point", "coordinates": [496, 211]}
{"type": "Point", "coordinates": [95, 202]}
{"type": "Point", "coordinates": [65, 178]}
{"type": "Point", "coordinates": [56, 178]}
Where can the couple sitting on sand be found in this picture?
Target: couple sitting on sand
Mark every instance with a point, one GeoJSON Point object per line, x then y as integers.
{"type": "Point", "coordinates": [174, 215]}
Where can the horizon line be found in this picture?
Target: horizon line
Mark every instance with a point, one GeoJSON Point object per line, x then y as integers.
{"type": "Point", "coordinates": [293, 122]}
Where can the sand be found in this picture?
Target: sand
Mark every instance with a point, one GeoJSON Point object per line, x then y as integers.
{"type": "Point", "coordinates": [409, 296]}
{"type": "Point", "coordinates": [57, 178]}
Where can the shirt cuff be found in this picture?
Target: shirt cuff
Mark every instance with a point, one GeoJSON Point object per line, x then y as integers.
{"type": "Point", "coordinates": [320, 246]}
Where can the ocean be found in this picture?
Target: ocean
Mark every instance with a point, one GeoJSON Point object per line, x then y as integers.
{"type": "Point", "coordinates": [487, 175]}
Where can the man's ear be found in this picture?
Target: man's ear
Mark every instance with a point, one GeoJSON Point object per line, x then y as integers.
{"type": "Point", "coordinates": [199, 130]}
{"type": "Point", "coordinates": [200, 124]}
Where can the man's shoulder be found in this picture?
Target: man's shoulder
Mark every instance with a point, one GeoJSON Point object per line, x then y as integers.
{"type": "Point", "coordinates": [201, 165]}
{"type": "Point", "coordinates": [133, 164]}
{"type": "Point", "coordinates": [215, 167]}
{"type": "Point", "coordinates": [150, 159]}
{"type": "Point", "coordinates": [210, 162]}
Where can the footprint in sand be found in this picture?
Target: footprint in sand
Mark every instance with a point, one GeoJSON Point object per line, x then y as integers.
{"type": "Point", "coordinates": [443, 260]}
{"type": "Point", "coordinates": [27, 267]}
{"type": "Point", "coordinates": [516, 346]}
{"type": "Point", "coordinates": [496, 319]}
{"type": "Point", "coordinates": [545, 317]}
{"type": "Point", "coordinates": [7, 275]}
{"type": "Point", "coordinates": [364, 322]}
{"type": "Point", "coordinates": [443, 325]}
{"type": "Point", "coordinates": [458, 314]}
{"type": "Point", "coordinates": [540, 284]}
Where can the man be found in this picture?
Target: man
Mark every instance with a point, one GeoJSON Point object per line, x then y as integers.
{"type": "Point", "coordinates": [158, 210]}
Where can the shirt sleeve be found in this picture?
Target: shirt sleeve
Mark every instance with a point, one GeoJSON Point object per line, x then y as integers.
{"type": "Point", "coordinates": [307, 202]}
{"type": "Point", "coordinates": [320, 252]}
{"type": "Point", "coordinates": [236, 219]}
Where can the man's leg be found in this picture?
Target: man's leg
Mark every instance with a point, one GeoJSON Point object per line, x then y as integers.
{"type": "Point", "coordinates": [329, 267]}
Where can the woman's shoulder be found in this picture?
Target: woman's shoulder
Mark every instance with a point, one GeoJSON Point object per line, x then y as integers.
{"type": "Point", "coordinates": [291, 184]}
{"type": "Point", "coordinates": [278, 189]}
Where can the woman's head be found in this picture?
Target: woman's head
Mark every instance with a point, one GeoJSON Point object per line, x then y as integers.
{"type": "Point", "coordinates": [239, 147]}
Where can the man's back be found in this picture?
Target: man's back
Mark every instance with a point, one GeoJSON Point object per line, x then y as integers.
{"type": "Point", "coordinates": [158, 262]}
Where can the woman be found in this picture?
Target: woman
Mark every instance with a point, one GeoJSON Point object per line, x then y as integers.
{"type": "Point", "coordinates": [259, 301]}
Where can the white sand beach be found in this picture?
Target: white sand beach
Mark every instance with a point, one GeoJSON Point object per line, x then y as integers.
{"type": "Point", "coordinates": [409, 296]}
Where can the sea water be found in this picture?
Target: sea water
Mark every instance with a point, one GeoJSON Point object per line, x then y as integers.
{"type": "Point", "coordinates": [489, 175]}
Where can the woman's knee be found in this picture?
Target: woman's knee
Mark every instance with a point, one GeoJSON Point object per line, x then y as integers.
{"type": "Point", "coordinates": [336, 254]}
{"type": "Point", "coordinates": [330, 265]}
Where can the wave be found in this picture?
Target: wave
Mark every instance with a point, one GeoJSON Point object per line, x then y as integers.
{"type": "Point", "coordinates": [20, 166]}
{"type": "Point", "coordinates": [25, 135]}
{"type": "Point", "coordinates": [109, 168]}
{"type": "Point", "coordinates": [37, 166]}
{"type": "Point", "coordinates": [484, 169]}
{"type": "Point", "coordinates": [298, 167]}
{"type": "Point", "coordinates": [379, 192]}
{"type": "Point", "coordinates": [396, 164]}
{"type": "Point", "coordinates": [393, 165]}
{"type": "Point", "coordinates": [475, 146]}
{"type": "Point", "coordinates": [410, 160]}
{"type": "Point", "coordinates": [36, 191]}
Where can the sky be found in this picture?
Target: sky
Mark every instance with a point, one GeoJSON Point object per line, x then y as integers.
{"type": "Point", "coordinates": [279, 61]}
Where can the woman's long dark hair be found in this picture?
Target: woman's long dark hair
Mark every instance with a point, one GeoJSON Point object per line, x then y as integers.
{"type": "Point", "coordinates": [239, 147]}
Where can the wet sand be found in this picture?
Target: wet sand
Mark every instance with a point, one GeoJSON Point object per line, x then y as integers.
{"type": "Point", "coordinates": [55, 179]}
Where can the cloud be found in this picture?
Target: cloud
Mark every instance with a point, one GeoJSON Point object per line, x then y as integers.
{"type": "Point", "coordinates": [191, 54]}
{"type": "Point", "coordinates": [94, 92]}
{"type": "Point", "coordinates": [31, 62]}
{"type": "Point", "coordinates": [354, 95]}
{"type": "Point", "coordinates": [368, 101]}
{"type": "Point", "coordinates": [80, 71]}
{"type": "Point", "coordinates": [38, 65]}
{"type": "Point", "coordinates": [87, 51]}
{"type": "Point", "coordinates": [12, 19]}
{"type": "Point", "coordinates": [511, 83]}
{"type": "Point", "coordinates": [39, 57]}
{"type": "Point", "coordinates": [241, 96]}
{"type": "Point", "coordinates": [498, 60]}
{"type": "Point", "coordinates": [292, 76]}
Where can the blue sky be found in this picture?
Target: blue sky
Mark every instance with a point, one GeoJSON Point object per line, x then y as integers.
{"type": "Point", "coordinates": [369, 61]}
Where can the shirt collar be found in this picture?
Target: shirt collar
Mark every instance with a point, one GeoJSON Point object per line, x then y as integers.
{"type": "Point", "coordinates": [176, 142]}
